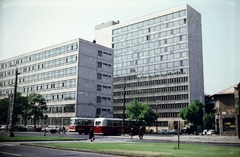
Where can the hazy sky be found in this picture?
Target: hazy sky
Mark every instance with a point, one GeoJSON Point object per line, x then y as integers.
{"type": "Point", "coordinates": [28, 25]}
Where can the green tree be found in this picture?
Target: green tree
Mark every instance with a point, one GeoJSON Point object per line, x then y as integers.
{"type": "Point", "coordinates": [36, 106]}
{"type": "Point", "coordinates": [208, 120]}
{"type": "Point", "coordinates": [18, 108]}
{"type": "Point", "coordinates": [193, 113]}
{"type": "Point", "coordinates": [141, 112]}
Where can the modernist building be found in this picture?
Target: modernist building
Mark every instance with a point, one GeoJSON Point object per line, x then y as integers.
{"type": "Point", "coordinates": [75, 78]}
{"type": "Point", "coordinates": [159, 59]}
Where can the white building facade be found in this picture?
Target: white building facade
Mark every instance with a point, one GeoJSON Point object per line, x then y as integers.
{"type": "Point", "coordinates": [159, 59]}
{"type": "Point", "coordinates": [75, 78]}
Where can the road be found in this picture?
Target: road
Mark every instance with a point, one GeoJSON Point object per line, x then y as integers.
{"type": "Point", "coordinates": [13, 149]}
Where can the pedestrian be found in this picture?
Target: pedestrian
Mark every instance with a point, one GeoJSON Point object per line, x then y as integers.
{"type": "Point", "coordinates": [91, 134]}
{"type": "Point", "coordinates": [131, 133]}
{"type": "Point", "coordinates": [141, 133]}
{"type": "Point", "coordinates": [64, 130]}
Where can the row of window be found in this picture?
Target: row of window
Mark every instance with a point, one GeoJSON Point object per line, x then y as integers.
{"type": "Point", "coordinates": [148, 68]}
{"type": "Point", "coordinates": [43, 87]}
{"type": "Point", "coordinates": [154, 98]}
{"type": "Point", "coordinates": [43, 55]}
{"type": "Point", "coordinates": [43, 76]}
{"type": "Point", "coordinates": [169, 106]}
{"type": "Point", "coordinates": [140, 40]}
{"type": "Point", "coordinates": [100, 87]}
{"type": "Point", "coordinates": [100, 99]}
{"type": "Point", "coordinates": [150, 22]}
{"type": "Point", "coordinates": [41, 66]}
{"type": "Point", "coordinates": [149, 59]}
{"type": "Point", "coordinates": [152, 91]}
{"type": "Point", "coordinates": [170, 48]}
{"type": "Point", "coordinates": [100, 76]}
{"type": "Point", "coordinates": [60, 109]}
{"type": "Point", "coordinates": [152, 29]}
{"type": "Point", "coordinates": [100, 53]}
{"type": "Point", "coordinates": [148, 83]}
{"type": "Point", "coordinates": [101, 64]}
{"type": "Point", "coordinates": [59, 96]}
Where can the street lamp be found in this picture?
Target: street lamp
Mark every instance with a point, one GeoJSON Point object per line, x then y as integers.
{"type": "Point", "coordinates": [11, 133]}
{"type": "Point", "coordinates": [157, 117]}
{"type": "Point", "coordinates": [124, 101]}
{"type": "Point", "coordinates": [26, 109]}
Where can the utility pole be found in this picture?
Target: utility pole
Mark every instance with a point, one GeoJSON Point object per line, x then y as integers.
{"type": "Point", "coordinates": [124, 101]}
{"type": "Point", "coordinates": [11, 133]}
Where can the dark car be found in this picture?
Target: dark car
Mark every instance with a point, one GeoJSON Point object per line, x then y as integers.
{"type": "Point", "coordinates": [175, 132]}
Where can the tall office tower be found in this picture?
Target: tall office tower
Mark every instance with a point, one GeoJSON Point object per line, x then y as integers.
{"type": "Point", "coordinates": [159, 59]}
{"type": "Point", "coordinates": [75, 78]}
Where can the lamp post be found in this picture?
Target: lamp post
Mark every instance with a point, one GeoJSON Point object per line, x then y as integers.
{"type": "Point", "coordinates": [26, 109]}
{"type": "Point", "coordinates": [157, 117]}
{"type": "Point", "coordinates": [11, 133]}
{"type": "Point", "coordinates": [124, 101]}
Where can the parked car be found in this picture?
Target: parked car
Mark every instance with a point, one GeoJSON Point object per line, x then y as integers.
{"type": "Point", "coordinates": [210, 132]}
{"type": "Point", "coordinates": [175, 131]}
{"type": "Point", "coordinates": [51, 128]}
{"type": "Point", "coordinates": [163, 131]}
{"type": "Point", "coordinates": [205, 131]}
{"type": "Point", "coordinates": [30, 128]}
{"type": "Point", "coordinates": [3, 127]}
{"type": "Point", "coordinates": [38, 129]}
{"type": "Point", "coordinates": [185, 130]}
{"type": "Point", "coordinates": [19, 128]}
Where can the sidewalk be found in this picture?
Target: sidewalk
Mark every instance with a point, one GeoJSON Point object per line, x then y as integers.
{"type": "Point", "coordinates": [194, 138]}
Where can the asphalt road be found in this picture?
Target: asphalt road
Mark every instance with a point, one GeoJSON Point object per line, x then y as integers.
{"type": "Point", "coordinates": [13, 149]}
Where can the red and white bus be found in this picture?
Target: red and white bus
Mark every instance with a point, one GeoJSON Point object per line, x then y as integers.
{"type": "Point", "coordinates": [113, 126]}
{"type": "Point", "coordinates": [80, 125]}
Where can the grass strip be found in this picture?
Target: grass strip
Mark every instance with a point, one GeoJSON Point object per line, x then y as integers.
{"type": "Point", "coordinates": [152, 149]}
{"type": "Point", "coordinates": [33, 138]}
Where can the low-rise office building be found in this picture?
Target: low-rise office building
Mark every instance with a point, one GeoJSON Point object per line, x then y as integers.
{"type": "Point", "coordinates": [75, 78]}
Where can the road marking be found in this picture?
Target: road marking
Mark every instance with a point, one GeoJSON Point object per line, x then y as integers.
{"type": "Point", "coordinates": [10, 153]}
{"type": "Point", "coordinates": [7, 144]}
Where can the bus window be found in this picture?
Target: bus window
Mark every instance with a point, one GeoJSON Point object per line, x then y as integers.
{"type": "Point", "coordinates": [97, 123]}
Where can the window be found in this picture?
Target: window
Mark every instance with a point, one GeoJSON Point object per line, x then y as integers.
{"type": "Point", "coordinates": [99, 64]}
{"type": "Point", "coordinates": [99, 87]}
{"type": "Point", "coordinates": [98, 99]}
{"type": "Point", "coordinates": [72, 47]}
{"type": "Point", "coordinates": [99, 76]}
{"type": "Point", "coordinates": [71, 71]}
{"type": "Point", "coordinates": [99, 53]}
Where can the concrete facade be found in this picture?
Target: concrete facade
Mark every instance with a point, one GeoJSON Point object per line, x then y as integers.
{"type": "Point", "coordinates": [159, 59]}
{"type": "Point", "coordinates": [75, 78]}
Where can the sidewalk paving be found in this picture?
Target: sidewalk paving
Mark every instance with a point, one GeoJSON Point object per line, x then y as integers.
{"type": "Point", "coordinates": [193, 138]}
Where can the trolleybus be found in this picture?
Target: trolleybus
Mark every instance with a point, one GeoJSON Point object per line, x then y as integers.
{"type": "Point", "coordinates": [80, 125]}
{"type": "Point", "coordinates": [113, 126]}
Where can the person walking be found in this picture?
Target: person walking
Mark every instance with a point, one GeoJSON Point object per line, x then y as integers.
{"type": "Point", "coordinates": [64, 130]}
{"type": "Point", "coordinates": [91, 134]}
{"type": "Point", "coordinates": [141, 133]}
{"type": "Point", "coordinates": [131, 133]}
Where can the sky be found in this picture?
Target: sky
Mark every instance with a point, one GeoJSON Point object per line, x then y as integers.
{"type": "Point", "coordinates": [29, 25]}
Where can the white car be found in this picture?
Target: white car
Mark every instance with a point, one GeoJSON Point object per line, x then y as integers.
{"type": "Point", "coordinates": [210, 132]}
{"type": "Point", "coordinates": [3, 127]}
{"type": "Point", "coordinates": [51, 128]}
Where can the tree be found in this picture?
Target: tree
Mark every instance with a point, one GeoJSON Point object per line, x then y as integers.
{"type": "Point", "coordinates": [36, 106]}
{"type": "Point", "coordinates": [141, 112]}
{"type": "Point", "coordinates": [208, 120]}
{"type": "Point", "coordinates": [18, 108]}
{"type": "Point", "coordinates": [193, 113]}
